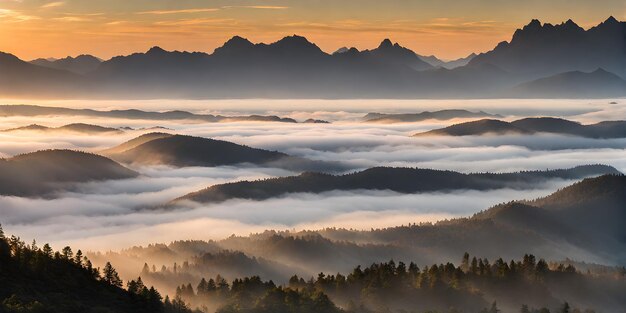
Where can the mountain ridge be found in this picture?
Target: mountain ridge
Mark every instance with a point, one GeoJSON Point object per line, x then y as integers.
{"type": "Point", "coordinates": [532, 125]}
{"type": "Point", "coordinates": [400, 180]}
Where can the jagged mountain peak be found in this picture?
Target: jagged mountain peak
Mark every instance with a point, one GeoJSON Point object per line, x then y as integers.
{"type": "Point", "coordinates": [611, 20]}
{"type": "Point", "coordinates": [385, 44]}
{"type": "Point", "coordinates": [156, 50]}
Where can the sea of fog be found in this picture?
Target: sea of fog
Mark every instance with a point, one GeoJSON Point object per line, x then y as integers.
{"type": "Point", "coordinates": [118, 214]}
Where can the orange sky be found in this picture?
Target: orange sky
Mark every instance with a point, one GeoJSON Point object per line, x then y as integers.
{"type": "Point", "coordinates": [447, 28]}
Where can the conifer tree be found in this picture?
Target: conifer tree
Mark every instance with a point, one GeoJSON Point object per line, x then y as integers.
{"type": "Point", "coordinates": [109, 274]}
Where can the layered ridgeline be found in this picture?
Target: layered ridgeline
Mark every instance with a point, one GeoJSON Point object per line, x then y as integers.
{"type": "Point", "coordinates": [82, 64]}
{"type": "Point", "coordinates": [38, 279]}
{"type": "Point", "coordinates": [576, 84]}
{"type": "Point", "coordinates": [580, 222]}
{"type": "Point", "coordinates": [181, 151]}
{"type": "Point", "coordinates": [44, 172]}
{"type": "Point", "coordinates": [436, 62]}
{"type": "Point", "coordinates": [418, 117]}
{"type": "Point", "coordinates": [401, 180]}
{"type": "Point", "coordinates": [607, 129]}
{"type": "Point", "coordinates": [35, 110]}
{"type": "Point", "coordinates": [293, 67]}
{"type": "Point", "coordinates": [80, 128]}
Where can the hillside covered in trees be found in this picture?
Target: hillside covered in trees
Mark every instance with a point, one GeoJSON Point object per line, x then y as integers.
{"type": "Point", "coordinates": [38, 279]}
{"type": "Point", "coordinates": [477, 285]}
{"type": "Point", "coordinates": [402, 180]}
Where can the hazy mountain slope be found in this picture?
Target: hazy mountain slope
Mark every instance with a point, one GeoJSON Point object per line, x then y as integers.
{"type": "Point", "coordinates": [481, 127]}
{"type": "Point", "coordinates": [21, 78]}
{"type": "Point", "coordinates": [35, 110]}
{"type": "Point", "coordinates": [43, 172]}
{"type": "Point", "coordinates": [81, 64]}
{"type": "Point", "coordinates": [582, 221]}
{"type": "Point", "coordinates": [135, 142]}
{"type": "Point", "coordinates": [597, 84]}
{"type": "Point", "coordinates": [607, 129]}
{"type": "Point", "coordinates": [417, 117]}
{"type": "Point", "coordinates": [402, 180]}
{"type": "Point", "coordinates": [588, 214]}
{"type": "Point", "coordinates": [436, 62]}
{"type": "Point", "coordinates": [539, 50]}
{"type": "Point", "coordinates": [392, 53]}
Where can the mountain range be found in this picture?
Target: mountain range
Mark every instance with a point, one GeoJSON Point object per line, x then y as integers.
{"type": "Point", "coordinates": [293, 67]}
{"type": "Point", "coordinates": [527, 126]}
{"type": "Point", "coordinates": [35, 110]}
{"type": "Point", "coordinates": [82, 64]}
{"type": "Point", "coordinates": [74, 127]}
{"type": "Point", "coordinates": [539, 50]}
{"type": "Point", "coordinates": [401, 180]}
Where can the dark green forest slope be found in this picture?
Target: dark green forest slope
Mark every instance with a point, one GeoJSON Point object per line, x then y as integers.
{"type": "Point", "coordinates": [34, 279]}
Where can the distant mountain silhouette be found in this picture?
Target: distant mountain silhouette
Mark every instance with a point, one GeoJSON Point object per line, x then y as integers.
{"type": "Point", "coordinates": [606, 129]}
{"type": "Point", "coordinates": [402, 180]}
{"type": "Point", "coordinates": [393, 53]}
{"type": "Point", "coordinates": [34, 110]}
{"type": "Point", "coordinates": [598, 83]}
{"type": "Point", "coordinates": [44, 172]}
{"type": "Point", "coordinates": [315, 121]}
{"type": "Point", "coordinates": [436, 62]}
{"type": "Point", "coordinates": [417, 117]}
{"type": "Point", "coordinates": [542, 50]}
{"type": "Point", "coordinates": [75, 127]}
{"type": "Point", "coordinates": [21, 78]}
{"type": "Point", "coordinates": [82, 64]}
{"type": "Point", "coordinates": [294, 67]}
{"type": "Point", "coordinates": [181, 151]}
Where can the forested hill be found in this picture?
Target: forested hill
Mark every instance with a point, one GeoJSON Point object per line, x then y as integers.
{"type": "Point", "coordinates": [38, 279]}
{"type": "Point", "coordinates": [402, 180]}
{"type": "Point", "coordinates": [533, 125]}
{"type": "Point", "coordinates": [182, 150]}
{"type": "Point", "coordinates": [41, 173]}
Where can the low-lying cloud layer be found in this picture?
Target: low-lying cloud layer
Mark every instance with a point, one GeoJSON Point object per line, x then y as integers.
{"type": "Point", "coordinates": [117, 214]}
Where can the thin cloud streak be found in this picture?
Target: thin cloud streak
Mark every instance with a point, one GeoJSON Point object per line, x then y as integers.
{"type": "Point", "coordinates": [182, 11]}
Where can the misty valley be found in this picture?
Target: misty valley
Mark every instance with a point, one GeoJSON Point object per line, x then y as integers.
{"type": "Point", "coordinates": [479, 207]}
